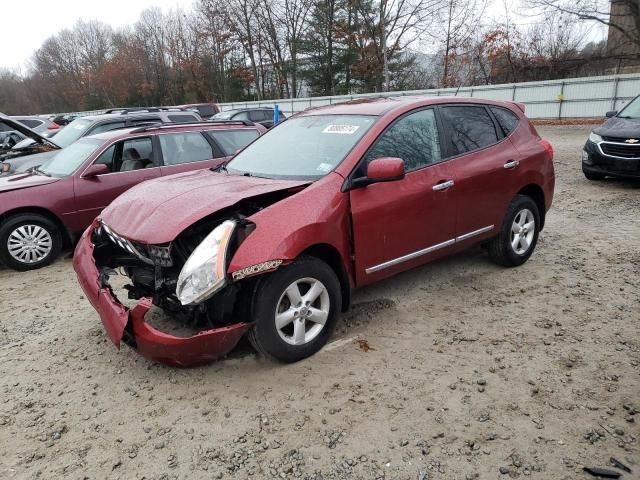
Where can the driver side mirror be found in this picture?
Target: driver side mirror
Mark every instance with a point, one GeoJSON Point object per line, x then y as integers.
{"type": "Point", "coordinates": [610, 114]}
{"type": "Point", "coordinates": [95, 170]}
{"type": "Point", "coordinates": [385, 169]}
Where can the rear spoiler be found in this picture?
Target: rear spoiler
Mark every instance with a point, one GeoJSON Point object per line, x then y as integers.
{"type": "Point", "coordinates": [521, 106]}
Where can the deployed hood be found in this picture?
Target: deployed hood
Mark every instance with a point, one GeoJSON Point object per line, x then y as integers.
{"type": "Point", "coordinates": [25, 180]}
{"type": "Point", "coordinates": [620, 128]}
{"type": "Point", "coordinates": [26, 131]}
{"type": "Point", "coordinates": [157, 211]}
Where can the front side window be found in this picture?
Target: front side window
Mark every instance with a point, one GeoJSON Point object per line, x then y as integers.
{"type": "Point", "coordinates": [305, 148]}
{"type": "Point", "coordinates": [469, 128]}
{"type": "Point", "coordinates": [108, 158]}
{"type": "Point", "coordinates": [508, 120]}
{"type": "Point", "coordinates": [184, 148]}
{"type": "Point", "coordinates": [233, 140]}
{"type": "Point", "coordinates": [69, 159]}
{"type": "Point", "coordinates": [413, 138]}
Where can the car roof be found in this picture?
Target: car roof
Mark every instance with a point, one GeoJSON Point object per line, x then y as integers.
{"type": "Point", "coordinates": [122, 133]}
{"type": "Point", "coordinates": [379, 106]}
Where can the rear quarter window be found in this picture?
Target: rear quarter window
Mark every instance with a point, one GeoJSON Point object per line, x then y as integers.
{"type": "Point", "coordinates": [508, 120]}
{"type": "Point", "coordinates": [468, 128]}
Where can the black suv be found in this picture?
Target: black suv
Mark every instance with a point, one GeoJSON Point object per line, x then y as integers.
{"type": "Point", "coordinates": [261, 115]}
{"type": "Point", "coordinates": [90, 125]}
{"type": "Point", "coordinates": [613, 148]}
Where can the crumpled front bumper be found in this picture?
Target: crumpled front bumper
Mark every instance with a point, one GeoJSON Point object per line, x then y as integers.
{"type": "Point", "coordinates": [122, 323]}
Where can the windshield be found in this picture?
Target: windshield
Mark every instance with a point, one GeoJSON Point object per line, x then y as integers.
{"type": "Point", "coordinates": [72, 132]}
{"type": "Point", "coordinates": [224, 115]}
{"type": "Point", "coordinates": [632, 110]}
{"type": "Point", "coordinates": [67, 161]}
{"type": "Point", "coordinates": [305, 148]}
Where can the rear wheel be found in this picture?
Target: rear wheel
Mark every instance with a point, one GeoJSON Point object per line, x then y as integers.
{"type": "Point", "coordinates": [295, 309]}
{"type": "Point", "coordinates": [28, 242]}
{"type": "Point", "coordinates": [519, 234]}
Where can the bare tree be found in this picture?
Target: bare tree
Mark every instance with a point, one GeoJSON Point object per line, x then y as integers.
{"type": "Point", "coordinates": [621, 16]}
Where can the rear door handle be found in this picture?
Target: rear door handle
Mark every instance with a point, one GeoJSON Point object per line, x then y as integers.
{"type": "Point", "coordinates": [443, 186]}
{"type": "Point", "coordinates": [511, 164]}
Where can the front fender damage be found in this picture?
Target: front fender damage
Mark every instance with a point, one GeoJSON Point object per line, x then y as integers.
{"type": "Point", "coordinates": [129, 325]}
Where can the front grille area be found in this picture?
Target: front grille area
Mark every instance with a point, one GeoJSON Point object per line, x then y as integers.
{"type": "Point", "coordinates": [618, 150]}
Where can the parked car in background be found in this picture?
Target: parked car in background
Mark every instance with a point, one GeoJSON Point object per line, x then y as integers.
{"type": "Point", "coordinates": [613, 148]}
{"type": "Point", "coordinates": [64, 120]}
{"type": "Point", "coordinates": [206, 110]}
{"type": "Point", "coordinates": [334, 198]}
{"type": "Point", "coordinates": [44, 209]}
{"type": "Point", "coordinates": [91, 125]}
{"type": "Point", "coordinates": [43, 126]}
{"type": "Point", "coordinates": [261, 115]}
{"type": "Point", "coordinates": [32, 144]}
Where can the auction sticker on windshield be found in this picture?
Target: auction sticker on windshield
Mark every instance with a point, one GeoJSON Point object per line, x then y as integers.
{"type": "Point", "coordinates": [341, 129]}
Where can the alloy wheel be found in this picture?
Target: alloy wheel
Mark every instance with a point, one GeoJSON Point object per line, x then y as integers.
{"type": "Point", "coordinates": [302, 311]}
{"type": "Point", "coordinates": [523, 229]}
{"type": "Point", "coordinates": [29, 243]}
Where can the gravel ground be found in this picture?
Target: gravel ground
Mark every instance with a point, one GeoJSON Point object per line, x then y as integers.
{"type": "Point", "coordinates": [471, 371]}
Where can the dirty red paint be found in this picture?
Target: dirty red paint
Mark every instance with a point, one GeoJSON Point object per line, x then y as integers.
{"type": "Point", "coordinates": [359, 225]}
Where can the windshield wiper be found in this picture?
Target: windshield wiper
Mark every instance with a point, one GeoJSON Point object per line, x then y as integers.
{"type": "Point", "coordinates": [220, 168]}
{"type": "Point", "coordinates": [40, 172]}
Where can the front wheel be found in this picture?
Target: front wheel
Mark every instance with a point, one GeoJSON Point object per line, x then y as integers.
{"type": "Point", "coordinates": [295, 309]}
{"type": "Point", "coordinates": [29, 241]}
{"type": "Point", "coordinates": [519, 234]}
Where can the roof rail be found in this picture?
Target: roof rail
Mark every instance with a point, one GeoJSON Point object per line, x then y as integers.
{"type": "Point", "coordinates": [159, 125]}
{"type": "Point", "coordinates": [247, 123]}
{"type": "Point", "coordinates": [126, 110]}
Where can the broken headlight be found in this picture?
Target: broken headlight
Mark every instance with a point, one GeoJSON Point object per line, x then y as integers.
{"type": "Point", "coordinates": [204, 271]}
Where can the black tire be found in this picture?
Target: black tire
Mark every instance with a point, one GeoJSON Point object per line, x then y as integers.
{"type": "Point", "coordinates": [501, 250]}
{"type": "Point", "coordinates": [591, 175]}
{"type": "Point", "coordinates": [17, 221]}
{"type": "Point", "coordinates": [265, 336]}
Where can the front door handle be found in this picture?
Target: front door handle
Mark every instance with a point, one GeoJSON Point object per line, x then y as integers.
{"type": "Point", "coordinates": [443, 186]}
{"type": "Point", "coordinates": [511, 164]}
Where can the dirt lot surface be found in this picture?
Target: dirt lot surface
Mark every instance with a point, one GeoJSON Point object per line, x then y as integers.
{"type": "Point", "coordinates": [472, 371]}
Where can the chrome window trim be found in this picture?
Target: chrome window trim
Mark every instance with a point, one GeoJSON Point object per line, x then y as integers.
{"type": "Point", "coordinates": [424, 251]}
{"type": "Point", "coordinates": [598, 144]}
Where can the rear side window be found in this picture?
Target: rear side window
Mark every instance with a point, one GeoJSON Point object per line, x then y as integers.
{"type": "Point", "coordinates": [413, 138]}
{"type": "Point", "coordinates": [184, 148]}
{"type": "Point", "coordinates": [206, 110]}
{"type": "Point", "coordinates": [233, 140]}
{"type": "Point", "coordinates": [182, 118]}
{"type": "Point", "coordinates": [31, 123]}
{"type": "Point", "coordinates": [469, 128]}
{"type": "Point", "coordinates": [508, 120]}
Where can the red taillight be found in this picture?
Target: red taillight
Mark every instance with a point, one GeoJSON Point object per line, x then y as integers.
{"type": "Point", "coordinates": [547, 148]}
{"type": "Point", "coordinates": [54, 126]}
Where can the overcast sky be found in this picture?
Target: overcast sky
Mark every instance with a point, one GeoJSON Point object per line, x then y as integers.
{"type": "Point", "coordinates": [27, 23]}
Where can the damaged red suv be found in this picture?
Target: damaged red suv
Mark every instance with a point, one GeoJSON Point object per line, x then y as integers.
{"type": "Point", "coordinates": [335, 198]}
